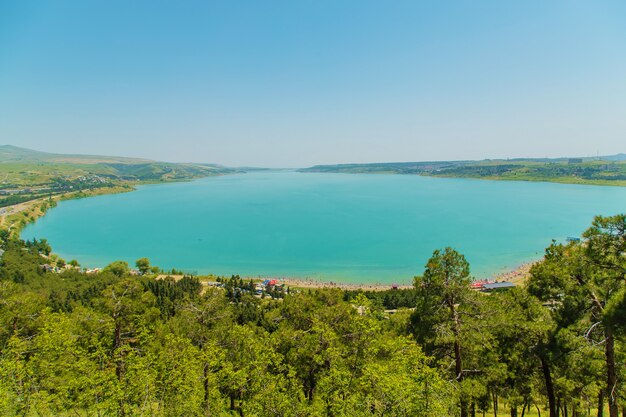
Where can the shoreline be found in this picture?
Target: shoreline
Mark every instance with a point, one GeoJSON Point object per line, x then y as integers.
{"type": "Point", "coordinates": [16, 217]}
{"type": "Point", "coordinates": [317, 284]}
{"type": "Point", "coordinates": [517, 276]}
{"type": "Point", "coordinates": [565, 180]}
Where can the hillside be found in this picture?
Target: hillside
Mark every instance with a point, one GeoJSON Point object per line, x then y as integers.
{"type": "Point", "coordinates": [10, 153]}
{"type": "Point", "coordinates": [20, 166]}
{"type": "Point", "coordinates": [609, 170]}
{"type": "Point", "coordinates": [27, 174]}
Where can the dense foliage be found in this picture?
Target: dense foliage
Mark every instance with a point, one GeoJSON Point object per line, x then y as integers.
{"type": "Point", "coordinates": [119, 344]}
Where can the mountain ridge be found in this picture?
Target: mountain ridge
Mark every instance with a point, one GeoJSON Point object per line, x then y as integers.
{"type": "Point", "coordinates": [12, 153]}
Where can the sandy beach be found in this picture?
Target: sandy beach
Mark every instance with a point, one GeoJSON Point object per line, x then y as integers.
{"type": "Point", "coordinates": [314, 283]}
{"type": "Point", "coordinates": [517, 276]}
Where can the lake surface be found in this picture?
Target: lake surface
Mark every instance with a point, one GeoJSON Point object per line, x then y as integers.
{"type": "Point", "coordinates": [339, 227]}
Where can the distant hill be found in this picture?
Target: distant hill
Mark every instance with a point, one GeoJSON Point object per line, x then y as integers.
{"type": "Point", "coordinates": [606, 170]}
{"type": "Point", "coordinates": [10, 153]}
{"type": "Point", "coordinates": [27, 167]}
{"type": "Point", "coordinates": [618, 157]}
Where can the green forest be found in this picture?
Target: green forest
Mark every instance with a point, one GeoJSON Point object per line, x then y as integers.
{"type": "Point", "coordinates": [118, 344]}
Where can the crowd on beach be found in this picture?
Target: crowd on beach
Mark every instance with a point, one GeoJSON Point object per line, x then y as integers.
{"type": "Point", "coordinates": [514, 276]}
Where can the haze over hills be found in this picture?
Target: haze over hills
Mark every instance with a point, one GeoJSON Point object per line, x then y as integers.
{"type": "Point", "coordinates": [617, 157]}
{"type": "Point", "coordinates": [614, 158]}
{"type": "Point", "coordinates": [11, 153]}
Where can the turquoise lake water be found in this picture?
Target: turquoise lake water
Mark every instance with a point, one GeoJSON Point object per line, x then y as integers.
{"type": "Point", "coordinates": [339, 227]}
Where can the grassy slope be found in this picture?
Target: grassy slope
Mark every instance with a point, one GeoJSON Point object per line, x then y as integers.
{"type": "Point", "coordinates": [21, 167]}
{"type": "Point", "coordinates": [10, 153]}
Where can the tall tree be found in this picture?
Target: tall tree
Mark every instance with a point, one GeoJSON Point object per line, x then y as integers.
{"type": "Point", "coordinates": [606, 248]}
{"type": "Point", "coordinates": [119, 268]}
{"type": "Point", "coordinates": [583, 281]}
{"type": "Point", "coordinates": [522, 327]}
{"type": "Point", "coordinates": [133, 311]}
{"type": "Point", "coordinates": [143, 265]}
{"type": "Point", "coordinates": [442, 288]}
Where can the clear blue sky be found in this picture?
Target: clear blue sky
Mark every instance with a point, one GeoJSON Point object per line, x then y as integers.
{"type": "Point", "coordinates": [297, 83]}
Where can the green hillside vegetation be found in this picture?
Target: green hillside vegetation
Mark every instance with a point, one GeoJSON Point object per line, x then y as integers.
{"type": "Point", "coordinates": [10, 153]}
{"type": "Point", "coordinates": [603, 171]}
{"type": "Point", "coordinates": [115, 343]}
{"type": "Point", "coordinates": [26, 174]}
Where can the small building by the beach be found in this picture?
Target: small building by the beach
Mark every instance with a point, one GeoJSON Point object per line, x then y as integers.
{"type": "Point", "coordinates": [478, 285]}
